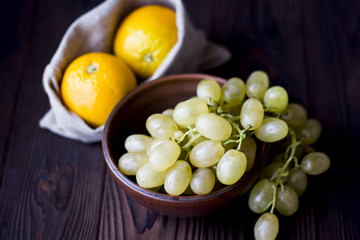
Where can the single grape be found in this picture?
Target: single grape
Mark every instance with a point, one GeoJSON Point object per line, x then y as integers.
{"type": "Point", "coordinates": [272, 130]}
{"type": "Point", "coordinates": [297, 179]}
{"type": "Point", "coordinates": [310, 131]}
{"type": "Point", "coordinates": [256, 84]}
{"type": "Point", "coordinates": [235, 111]}
{"type": "Point", "coordinates": [261, 195]}
{"type": "Point", "coordinates": [137, 142]}
{"type": "Point", "coordinates": [248, 147]}
{"type": "Point", "coordinates": [178, 134]}
{"type": "Point", "coordinates": [155, 189]}
{"type": "Point", "coordinates": [213, 127]}
{"type": "Point", "coordinates": [279, 158]}
{"type": "Point", "coordinates": [206, 153]}
{"type": "Point", "coordinates": [147, 177]}
{"type": "Point", "coordinates": [233, 92]}
{"type": "Point", "coordinates": [158, 124]}
{"type": "Point", "coordinates": [207, 89]}
{"type": "Point", "coordinates": [188, 191]}
{"type": "Point", "coordinates": [276, 99]}
{"type": "Point", "coordinates": [168, 112]}
{"type": "Point", "coordinates": [294, 115]}
{"type": "Point", "coordinates": [252, 113]}
{"type": "Point", "coordinates": [231, 167]}
{"type": "Point", "coordinates": [287, 201]}
{"type": "Point", "coordinates": [164, 155]}
{"type": "Point", "coordinates": [177, 178]}
{"type": "Point", "coordinates": [156, 142]}
{"type": "Point", "coordinates": [315, 163]}
{"type": "Point", "coordinates": [270, 171]}
{"type": "Point", "coordinates": [186, 112]}
{"type": "Point", "coordinates": [203, 181]}
{"type": "Point", "coordinates": [266, 227]}
{"type": "Point", "coordinates": [130, 162]}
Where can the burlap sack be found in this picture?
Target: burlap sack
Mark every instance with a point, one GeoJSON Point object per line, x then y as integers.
{"type": "Point", "coordinates": [95, 31]}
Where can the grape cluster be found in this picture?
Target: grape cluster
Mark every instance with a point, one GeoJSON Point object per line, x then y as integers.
{"type": "Point", "coordinates": [206, 140]}
{"type": "Point", "coordinates": [284, 179]}
{"type": "Point", "coordinates": [209, 140]}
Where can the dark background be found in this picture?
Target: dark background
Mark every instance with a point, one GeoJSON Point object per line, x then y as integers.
{"type": "Point", "coordinates": [56, 188]}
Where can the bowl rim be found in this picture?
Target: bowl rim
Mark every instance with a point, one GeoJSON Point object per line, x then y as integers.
{"type": "Point", "coordinates": [119, 176]}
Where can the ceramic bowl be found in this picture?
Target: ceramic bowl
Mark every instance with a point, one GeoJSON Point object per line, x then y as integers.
{"type": "Point", "coordinates": [129, 116]}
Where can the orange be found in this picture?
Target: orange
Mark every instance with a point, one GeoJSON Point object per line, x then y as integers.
{"type": "Point", "coordinates": [93, 83]}
{"type": "Point", "coordinates": [145, 37]}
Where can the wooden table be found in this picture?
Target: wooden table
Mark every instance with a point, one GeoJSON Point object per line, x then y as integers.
{"type": "Point", "coordinates": [56, 188]}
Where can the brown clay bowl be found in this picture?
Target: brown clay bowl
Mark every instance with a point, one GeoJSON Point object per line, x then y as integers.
{"type": "Point", "coordinates": [129, 116]}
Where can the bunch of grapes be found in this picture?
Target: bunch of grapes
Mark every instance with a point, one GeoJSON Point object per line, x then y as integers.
{"type": "Point", "coordinates": [209, 140]}
{"type": "Point", "coordinates": [284, 179]}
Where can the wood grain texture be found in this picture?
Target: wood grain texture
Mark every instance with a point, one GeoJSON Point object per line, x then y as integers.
{"type": "Point", "coordinates": [56, 188]}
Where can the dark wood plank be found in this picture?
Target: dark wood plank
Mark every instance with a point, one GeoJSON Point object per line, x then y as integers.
{"type": "Point", "coordinates": [51, 186]}
{"type": "Point", "coordinates": [327, 79]}
{"type": "Point", "coordinates": [16, 28]}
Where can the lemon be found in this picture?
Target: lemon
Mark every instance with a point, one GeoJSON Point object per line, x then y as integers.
{"type": "Point", "coordinates": [145, 37]}
{"type": "Point", "coordinates": [93, 83]}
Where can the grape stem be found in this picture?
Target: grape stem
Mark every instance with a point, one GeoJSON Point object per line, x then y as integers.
{"type": "Point", "coordinates": [283, 172]}
{"type": "Point", "coordinates": [187, 146]}
{"type": "Point", "coordinates": [191, 130]}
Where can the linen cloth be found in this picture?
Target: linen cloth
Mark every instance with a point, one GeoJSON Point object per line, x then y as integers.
{"type": "Point", "coordinates": [94, 32]}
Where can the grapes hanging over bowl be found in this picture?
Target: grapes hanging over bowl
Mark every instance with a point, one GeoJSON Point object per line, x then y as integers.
{"type": "Point", "coordinates": [211, 139]}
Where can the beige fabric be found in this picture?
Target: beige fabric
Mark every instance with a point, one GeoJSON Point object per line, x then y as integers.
{"type": "Point", "coordinates": [94, 31]}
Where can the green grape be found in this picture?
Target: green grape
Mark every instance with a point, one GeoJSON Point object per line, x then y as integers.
{"type": "Point", "coordinates": [279, 158]}
{"type": "Point", "coordinates": [266, 227]}
{"type": "Point", "coordinates": [297, 179]}
{"type": "Point", "coordinates": [203, 181]}
{"type": "Point", "coordinates": [248, 147]}
{"type": "Point", "coordinates": [130, 162]}
{"type": "Point", "coordinates": [310, 131]}
{"type": "Point", "coordinates": [256, 84]}
{"type": "Point", "coordinates": [177, 178]}
{"type": "Point", "coordinates": [206, 153]}
{"type": "Point", "coordinates": [261, 195]}
{"type": "Point", "coordinates": [276, 99]}
{"type": "Point", "coordinates": [235, 111]}
{"type": "Point", "coordinates": [147, 177]}
{"type": "Point", "coordinates": [287, 201]}
{"type": "Point", "coordinates": [233, 92]}
{"type": "Point", "coordinates": [168, 112]}
{"type": "Point", "coordinates": [178, 134]}
{"type": "Point", "coordinates": [270, 171]}
{"type": "Point", "coordinates": [272, 130]}
{"type": "Point", "coordinates": [294, 115]}
{"type": "Point", "coordinates": [156, 142]}
{"type": "Point", "coordinates": [213, 127]}
{"type": "Point", "coordinates": [218, 184]}
{"type": "Point", "coordinates": [158, 124]}
{"type": "Point", "coordinates": [231, 167]}
{"type": "Point", "coordinates": [315, 163]}
{"type": "Point", "coordinates": [155, 189]}
{"type": "Point", "coordinates": [137, 142]}
{"type": "Point", "coordinates": [186, 112]}
{"type": "Point", "coordinates": [188, 191]}
{"type": "Point", "coordinates": [252, 113]}
{"type": "Point", "coordinates": [164, 155]}
{"type": "Point", "coordinates": [207, 89]}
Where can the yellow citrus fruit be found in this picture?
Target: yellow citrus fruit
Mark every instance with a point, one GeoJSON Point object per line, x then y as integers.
{"type": "Point", "coordinates": [145, 37]}
{"type": "Point", "coordinates": [93, 83]}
